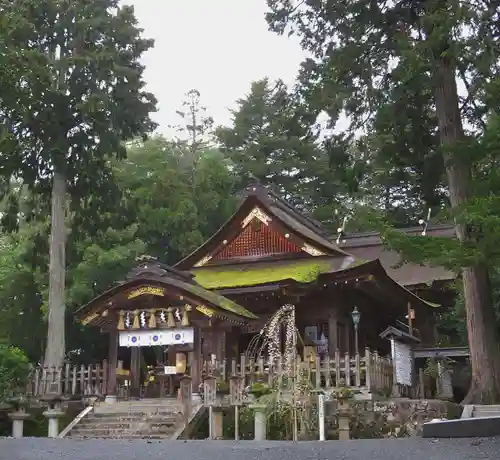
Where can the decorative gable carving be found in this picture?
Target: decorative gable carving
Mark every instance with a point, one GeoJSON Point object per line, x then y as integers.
{"type": "Point", "coordinates": [257, 241]}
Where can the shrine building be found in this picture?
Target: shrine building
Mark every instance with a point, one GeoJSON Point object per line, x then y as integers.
{"type": "Point", "coordinates": [268, 254]}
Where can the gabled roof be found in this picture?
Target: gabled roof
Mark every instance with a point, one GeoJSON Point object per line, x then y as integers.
{"type": "Point", "coordinates": [265, 205]}
{"type": "Point", "coordinates": [174, 285]}
{"type": "Point", "coordinates": [369, 246]}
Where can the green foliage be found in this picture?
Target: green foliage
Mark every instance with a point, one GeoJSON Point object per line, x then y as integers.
{"type": "Point", "coordinates": [260, 389]}
{"type": "Point", "coordinates": [14, 370]}
{"type": "Point", "coordinates": [157, 213]}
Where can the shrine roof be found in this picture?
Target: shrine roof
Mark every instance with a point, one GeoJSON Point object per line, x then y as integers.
{"type": "Point", "coordinates": [300, 229]}
{"type": "Point", "coordinates": [301, 270]}
{"type": "Point", "coordinates": [318, 273]}
{"type": "Point", "coordinates": [174, 285]}
{"type": "Point", "coordinates": [369, 246]}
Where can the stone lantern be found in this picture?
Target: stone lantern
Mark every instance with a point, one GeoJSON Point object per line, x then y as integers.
{"type": "Point", "coordinates": [236, 385]}
{"type": "Point", "coordinates": [210, 398]}
{"type": "Point", "coordinates": [186, 399]}
{"type": "Point", "coordinates": [210, 390]}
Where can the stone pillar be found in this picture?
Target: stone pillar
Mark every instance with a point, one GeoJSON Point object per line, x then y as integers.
{"type": "Point", "coordinates": [445, 389]}
{"type": "Point", "coordinates": [260, 422]}
{"type": "Point", "coordinates": [53, 413]}
{"type": "Point", "coordinates": [18, 417]}
{"type": "Point", "coordinates": [111, 392]}
{"type": "Point", "coordinates": [217, 421]}
{"type": "Point", "coordinates": [344, 426]}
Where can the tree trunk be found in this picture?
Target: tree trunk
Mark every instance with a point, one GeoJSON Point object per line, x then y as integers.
{"type": "Point", "coordinates": [481, 326]}
{"type": "Point", "coordinates": [56, 345]}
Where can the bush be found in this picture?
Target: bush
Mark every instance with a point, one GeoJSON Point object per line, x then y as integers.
{"type": "Point", "coordinates": [14, 371]}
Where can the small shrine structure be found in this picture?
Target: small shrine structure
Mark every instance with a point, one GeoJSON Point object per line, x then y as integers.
{"type": "Point", "coordinates": [158, 306]}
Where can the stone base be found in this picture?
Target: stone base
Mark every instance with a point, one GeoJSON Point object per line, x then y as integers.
{"type": "Point", "coordinates": [462, 428]}
{"type": "Point", "coordinates": [110, 399]}
{"type": "Point", "coordinates": [196, 397]}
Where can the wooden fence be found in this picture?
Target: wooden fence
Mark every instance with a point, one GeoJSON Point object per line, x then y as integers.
{"type": "Point", "coordinates": [370, 371]}
{"type": "Point", "coordinates": [69, 380]}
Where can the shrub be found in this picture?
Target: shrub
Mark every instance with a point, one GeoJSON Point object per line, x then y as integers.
{"type": "Point", "coordinates": [14, 370]}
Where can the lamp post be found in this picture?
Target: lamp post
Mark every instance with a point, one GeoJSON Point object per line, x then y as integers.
{"type": "Point", "coordinates": [356, 316]}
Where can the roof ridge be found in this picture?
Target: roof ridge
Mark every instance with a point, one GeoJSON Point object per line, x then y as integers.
{"type": "Point", "coordinates": [306, 219]}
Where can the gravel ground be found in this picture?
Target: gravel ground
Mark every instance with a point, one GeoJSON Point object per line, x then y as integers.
{"type": "Point", "coordinates": [384, 449]}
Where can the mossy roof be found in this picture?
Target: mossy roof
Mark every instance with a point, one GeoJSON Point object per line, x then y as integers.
{"type": "Point", "coordinates": [222, 302]}
{"type": "Point", "coordinates": [304, 271]}
{"type": "Point", "coordinates": [221, 305]}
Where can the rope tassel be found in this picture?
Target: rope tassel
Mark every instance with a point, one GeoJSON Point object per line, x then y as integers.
{"type": "Point", "coordinates": [136, 324]}
{"type": "Point", "coordinates": [121, 322]}
{"type": "Point", "coordinates": [170, 317]}
{"type": "Point", "coordinates": [152, 319]}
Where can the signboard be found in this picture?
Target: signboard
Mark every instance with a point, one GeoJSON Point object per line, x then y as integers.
{"type": "Point", "coordinates": [146, 290]}
{"type": "Point", "coordinates": [403, 363]}
{"type": "Point", "coordinates": [158, 337]}
{"type": "Point", "coordinates": [170, 370]}
{"type": "Point", "coordinates": [311, 332]}
{"type": "Point", "coordinates": [205, 310]}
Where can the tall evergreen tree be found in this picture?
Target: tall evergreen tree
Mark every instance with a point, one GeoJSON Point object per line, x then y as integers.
{"type": "Point", "coordinates": [358, 47]}
{"type": "Point", "coordinates": [80, 96]}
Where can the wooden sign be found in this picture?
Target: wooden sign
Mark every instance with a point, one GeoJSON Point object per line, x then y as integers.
{"type": "Point", "coordinates": [146, 290]}
{"type": "Point", "coordinates": [205, 310]}
{"type": "Point", "coordinates": [403, 363]}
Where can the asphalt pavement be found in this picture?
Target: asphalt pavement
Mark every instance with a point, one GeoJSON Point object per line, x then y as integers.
{"type": "Point", "coordinates": [378, 449]}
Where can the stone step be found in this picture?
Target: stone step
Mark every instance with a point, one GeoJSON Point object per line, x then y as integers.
{"type": "Point", "coordinates": [140, 414]}
{"type": "Point", "coordinates": [137, 409]}
{"type": "Point", "coordinates": [98, 432]}
{"type": "Point", "coordinates": [91, 425]}
{"type": "Point", "coordinates": [111, 423]}
{"type": "Point", "coordinates": [127, 436]}
{"type": "Point", "coordinates": [114, 432]}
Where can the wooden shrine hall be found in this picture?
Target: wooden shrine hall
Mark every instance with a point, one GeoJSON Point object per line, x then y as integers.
{"type": "Point", "coordinates": [215, 300]}
{"type": "Point", "coordinates": [158, 306]}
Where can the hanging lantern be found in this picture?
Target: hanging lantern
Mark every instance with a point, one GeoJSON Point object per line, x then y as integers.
{"type": "Point", "coordinates": [180, 363]}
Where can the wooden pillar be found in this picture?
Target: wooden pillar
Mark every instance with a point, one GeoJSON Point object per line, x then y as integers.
{"type": "Point", "coordinates": [347, 345]}
{"type": "Point", "coordinates": [197, 356]}
{"type": "Point", "coordinates": [333, 340]}
{"type": "Point", "coordinates": [111, 392]}
{"type": "Point", "coordinates": [135, 371]}
{"type": "Point", "coordinates": [218, 337]}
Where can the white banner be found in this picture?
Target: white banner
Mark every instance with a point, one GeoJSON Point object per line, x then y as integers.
{"type": "Point", "coordinates": [158, 337]}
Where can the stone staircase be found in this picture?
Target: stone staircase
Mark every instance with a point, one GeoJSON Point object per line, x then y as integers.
{"type": "Point", "coordinates": [143, 419]}
{"type": "Point", "coordinates": [476, 410]}
{"type": "Point", "coordinates": [486, 411]}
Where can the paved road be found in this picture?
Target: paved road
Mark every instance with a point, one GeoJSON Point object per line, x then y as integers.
{"type": "Point", "coordinates": [383, 449]}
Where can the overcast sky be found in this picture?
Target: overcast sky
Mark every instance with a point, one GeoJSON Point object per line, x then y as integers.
{"type": "Point", "coordinates": [216, 46]}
